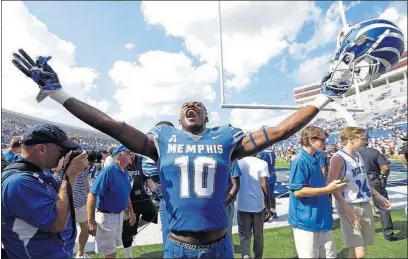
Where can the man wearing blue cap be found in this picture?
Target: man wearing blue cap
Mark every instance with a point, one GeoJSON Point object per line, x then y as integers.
{"type": "Point", "coordinates": [109, 195]}
{"type": "Point", "coordinates": [35, 214]}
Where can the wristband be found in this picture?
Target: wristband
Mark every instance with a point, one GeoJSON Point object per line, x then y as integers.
{"type": "Point", "coordinates": [60, 96]}
{"type": "Point", "coordinates": [321, 101]}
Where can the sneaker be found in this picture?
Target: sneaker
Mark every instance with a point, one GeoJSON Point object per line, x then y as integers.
{"type": "Point", "coordinates": [85, 255]}
{"type": "Point", "coordinates": [274, 215]}
{"type": "Point", "coordinates": [246, 257]}
{"type": "Point", "coordinates": [391, 238]}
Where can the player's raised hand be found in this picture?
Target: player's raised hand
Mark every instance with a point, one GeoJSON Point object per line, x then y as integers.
{"type": "Point", "coordinates": [40, 71]}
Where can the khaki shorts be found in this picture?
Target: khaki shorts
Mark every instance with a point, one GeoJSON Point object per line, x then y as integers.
{"type": "Point", "coordinates": [81, 214]}
{"type": "Point", "coordinates": [109, 229]}
{"type": "Point", "coordinates": [314, 244]}
{"type": "Point", "coordinates": [353, 237]}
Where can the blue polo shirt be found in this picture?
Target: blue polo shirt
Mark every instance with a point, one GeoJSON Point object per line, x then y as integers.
{"type": "Point", "coordinates": [309, 213]}
{"type": "Point", "coordinates": [320, 158]}
{"type": "Point", "coordinates": [28, 212]}
{"type": "Point", "coordinates": [234, 173]}
{"type": "Point", "coordinates": [112, 189]}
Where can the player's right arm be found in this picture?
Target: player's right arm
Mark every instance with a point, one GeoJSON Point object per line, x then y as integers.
{"type": "Point", "coordinates": [47, 79]}
{"type": "Point", "coordinates": [266, 137]}
{"type": "Point", "coordinates": [132, 138]}
{"type": "Point", "coordinates": [335, 169]}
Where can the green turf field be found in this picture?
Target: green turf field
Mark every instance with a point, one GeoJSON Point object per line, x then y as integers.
{"type": "Point", "coordinates": [282, 165]}
{"type": "Point", "coordinates": [279, 243]}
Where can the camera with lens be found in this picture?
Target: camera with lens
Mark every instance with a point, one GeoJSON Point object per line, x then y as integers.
{"type": "Point", "coordinates": [94, 156]}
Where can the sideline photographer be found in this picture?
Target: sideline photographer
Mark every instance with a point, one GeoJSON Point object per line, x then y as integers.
{"type": "Point", "coordinates": [36, 221]}
{"type": "Point", "coordinates": [79, 198]}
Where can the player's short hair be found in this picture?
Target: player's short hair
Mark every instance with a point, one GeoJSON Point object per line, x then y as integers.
{"type": "Point", "coordinates": [165, 123]}
{"type": "Point", "coordinates": [74, 138]}
{"type": "Point", "coordinates": [15, 142]}
{"type": "Point", "coordinates": [350, 133]}
{"type": "Point", "coordinates": [311, 132]}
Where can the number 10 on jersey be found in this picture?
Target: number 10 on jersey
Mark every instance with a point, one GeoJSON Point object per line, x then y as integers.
{"type": "Point", "coordinates": [203, 176]}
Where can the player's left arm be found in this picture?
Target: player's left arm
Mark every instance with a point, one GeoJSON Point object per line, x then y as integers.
{"type": "Point", "coordinates": [266, 137]}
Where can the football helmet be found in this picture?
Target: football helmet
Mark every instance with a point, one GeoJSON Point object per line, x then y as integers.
{"type": "Point", "coordinates": [364, 52]}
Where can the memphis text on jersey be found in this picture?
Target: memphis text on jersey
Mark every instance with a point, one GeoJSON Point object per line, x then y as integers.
{"type": "Point", "coordinates": [174, 148]}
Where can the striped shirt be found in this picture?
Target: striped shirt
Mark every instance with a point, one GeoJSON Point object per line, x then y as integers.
{"type": "Point", "coordinates": [80, 192]}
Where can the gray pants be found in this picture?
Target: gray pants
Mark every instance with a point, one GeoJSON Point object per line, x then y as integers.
{"type": "Point", "coordinates": [249, 222]}
{"type": "Point", "coordinates": [230, 215]}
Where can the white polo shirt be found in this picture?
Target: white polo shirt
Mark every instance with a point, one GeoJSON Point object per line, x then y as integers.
{"type": "Point", "coordinates": [250, 196]}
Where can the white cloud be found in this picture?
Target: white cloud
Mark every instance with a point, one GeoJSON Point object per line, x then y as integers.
{"type": "Point", "coordinates": [251, 119]}
{"type": "Point", "coordinates": [253, 32]}
{"type": "Point", "coordinates": [157, 84]}
{"type": "Point", "coordinates": [282, 65]}
{"type": "Point", "coordinates": [397, 13]}
{"type": "Point", "coordinates": [129, 46]}
{"type": "Point", "coordinates": [214, 118]}
{"type": "Point", "coordinates": [20, 29]}
{"type": "Point", "coordinates": [325, 31]}
{"type": "Point", "coordinates": [312, 69]}
{"type": "Point", "coordinates": [101, 105]}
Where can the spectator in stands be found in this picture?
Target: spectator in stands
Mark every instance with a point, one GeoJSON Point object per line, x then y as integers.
{"type": "Point", "coordinates": [309, 204]}
{"type": "Point", "coordinates": [35, 217]}
{"type": "Point", "coordinates": [109, 194]}
{"type": "Point", "coordinates": [376, 166]}
{"type": "Point", "coordinates": [109, 158]}
{"type": "Point", "coordinates": [80, 199]}
{"type": "Point", "coordinates": [252, 204]}
{"type": "Point", "coordinates": [105, 154]}
{"type": "Point", "coordinates": [13, 149]}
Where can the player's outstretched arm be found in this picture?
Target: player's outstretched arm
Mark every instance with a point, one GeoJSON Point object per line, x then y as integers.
{"type": "Point", "coordinates": [266, 137]}
{"type": "Point", "coordinates": [132, 138]}
{"type": "Point", "coordinates": [47, 79]}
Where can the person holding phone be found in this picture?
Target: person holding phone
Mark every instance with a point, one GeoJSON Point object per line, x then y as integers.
{"type": "Point", "coordinates": [309, 206]}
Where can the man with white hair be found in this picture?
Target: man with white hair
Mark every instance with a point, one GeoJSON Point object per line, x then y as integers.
{"type": "Point", "coordinates": [109, 194]}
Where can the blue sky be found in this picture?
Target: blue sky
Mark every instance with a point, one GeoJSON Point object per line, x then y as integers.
{"type": "Point", "coordinates": [99, 31]}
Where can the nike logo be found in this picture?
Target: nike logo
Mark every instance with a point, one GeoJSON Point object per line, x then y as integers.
{"type": "Point", "coordinates": [215, 137]}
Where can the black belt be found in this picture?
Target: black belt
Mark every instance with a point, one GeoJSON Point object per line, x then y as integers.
{"type": "Point", "coordinates": [196, 247]}
{"type": "Point", "coordinates": [104, 211]}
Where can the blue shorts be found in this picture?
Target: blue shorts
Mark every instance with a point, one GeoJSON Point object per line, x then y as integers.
{"type": "Point", "coordinates": [220, 249]}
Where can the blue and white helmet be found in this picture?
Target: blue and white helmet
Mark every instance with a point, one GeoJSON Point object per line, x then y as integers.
{"type": "Point", "coordinates": [364, 52]}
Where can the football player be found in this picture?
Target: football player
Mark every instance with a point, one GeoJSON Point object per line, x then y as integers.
{"type": "Point", "coordinates": [268, 155]}
{"type": "Point", "coordinates": [193, 162]}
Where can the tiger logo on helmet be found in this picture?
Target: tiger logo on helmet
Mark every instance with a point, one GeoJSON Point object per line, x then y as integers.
{"type": "Point", "coordinates": [364, 52]}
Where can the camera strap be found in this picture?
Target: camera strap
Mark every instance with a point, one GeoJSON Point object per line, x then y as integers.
{"type": "Point", "coordinates": [25, 166]}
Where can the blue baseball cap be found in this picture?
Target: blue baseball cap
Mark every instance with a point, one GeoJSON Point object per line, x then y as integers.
{"type": "Point", "coordinates": [120, 148]}
{"type": "Point", "coordinates": [48, 133]}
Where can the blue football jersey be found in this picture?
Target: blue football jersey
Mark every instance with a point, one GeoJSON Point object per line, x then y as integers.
{"type": "Point", "coordinates": [268, 155]}
{"type": "Point", "coordinates": [194, 172]}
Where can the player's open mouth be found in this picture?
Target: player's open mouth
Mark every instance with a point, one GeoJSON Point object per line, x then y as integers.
{"type": "Point", "coordinates": [191, 114]}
